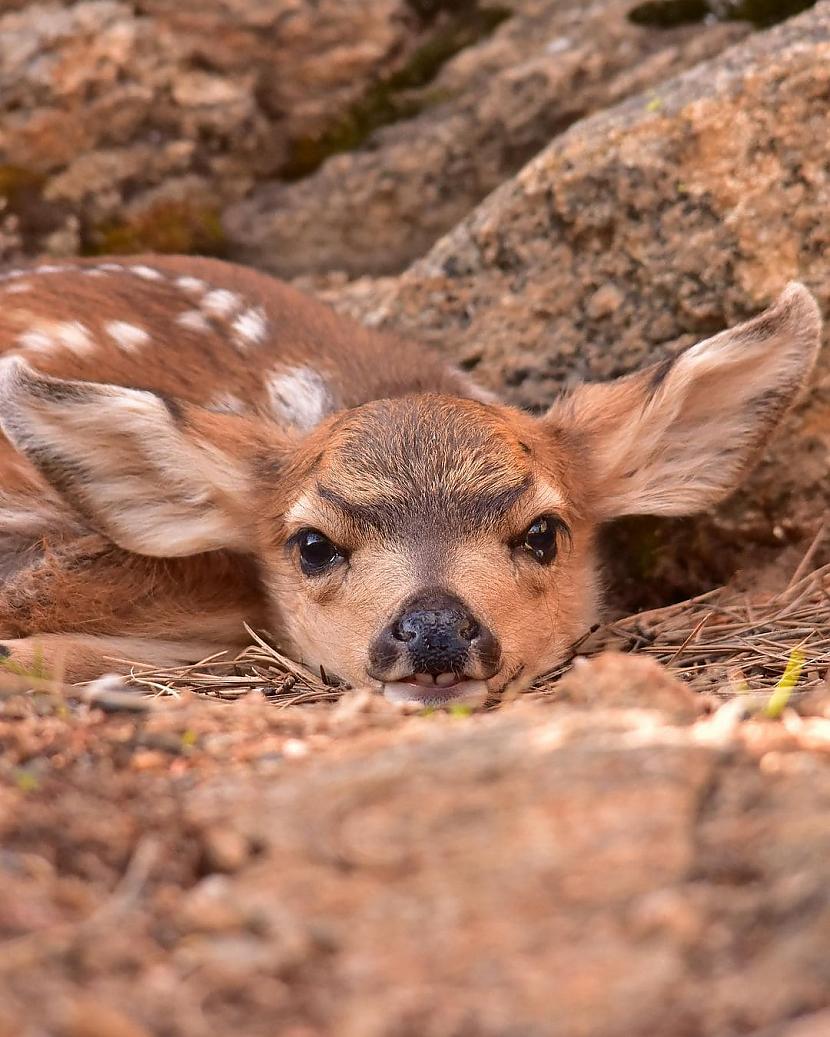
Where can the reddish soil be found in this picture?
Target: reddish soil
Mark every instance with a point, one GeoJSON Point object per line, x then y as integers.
{"type": "Point", "coordinates": [553, 867]}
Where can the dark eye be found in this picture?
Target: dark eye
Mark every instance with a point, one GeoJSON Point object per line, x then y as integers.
{"type": "Point", "coordinates": [541, 537]}
{"type": "Point", "coordinates": [317, 552]}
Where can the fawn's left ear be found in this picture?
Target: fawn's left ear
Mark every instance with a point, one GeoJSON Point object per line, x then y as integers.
{"type": "Point", "coordinates": [678, 437]}
{"type": "Point", "coordinates": [154, 477]}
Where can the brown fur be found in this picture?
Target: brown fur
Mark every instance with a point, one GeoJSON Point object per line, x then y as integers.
{"type": "Point", "coordinates": [195, 366]}
{"type": "Point", "coordinates": [146, 524]}
{"type": "Point", "coordinates": [438, 518]}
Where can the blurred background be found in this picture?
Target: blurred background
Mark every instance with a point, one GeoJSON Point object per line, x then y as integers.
{"type": "Point", "coordinates": [307, 136]}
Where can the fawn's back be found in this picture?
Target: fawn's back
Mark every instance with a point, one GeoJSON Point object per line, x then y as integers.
{"type": "Point", "coordinates": [206, 332]}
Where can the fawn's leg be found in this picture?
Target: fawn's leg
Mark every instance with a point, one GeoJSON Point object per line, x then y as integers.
{"type": "Point", "coordinates": [77, 605]}
{"type": "Point", "coordinates": [79, 657]}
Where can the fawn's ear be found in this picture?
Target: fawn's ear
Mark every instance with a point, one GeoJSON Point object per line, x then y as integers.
{"type": "Point", "coordinates": [155, 477]}
{"type": "Point", "coordinates": [677, 437]}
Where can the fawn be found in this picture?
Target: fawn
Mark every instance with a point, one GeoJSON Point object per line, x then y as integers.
{"type": "Point", "coordinates": [190, 445]}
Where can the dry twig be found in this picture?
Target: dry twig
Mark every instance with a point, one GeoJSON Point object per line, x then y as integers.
{"type": "Point", "coordinates": [710, 640]}
{"type": "Point", "coordinates": [717, 642]}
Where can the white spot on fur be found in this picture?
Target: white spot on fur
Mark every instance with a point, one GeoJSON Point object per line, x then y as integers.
{"type": "Point", "coordinates": [10, 274]}
{"type": "Point", "coordinates": [112, 268]}
{"type": "Point", "coordinates": [147, 272]}
{"type": "Point", "coordinates": [299, 397]}
{"type": "Point", "coordinates": [94, 271]}
{"type": "Point", "coordinates": [191, 284]}
{"type": "Point", "coordinates": [194, 320]}
{"type": "Point", "coordinates": [251, 327]}
{"type": "Point", "coordinates": [227, 403]}
{"type": "Point", "coordinates": [38, 341]}
{"type": "Point", "coordinates": [19, 286]}
{"type": "Point", "coordinates": [48, 268]}
{"type": "Point", "coordinates": [127, 336]}
{"type": "Point", "coordinates": [75, 336]}
{"type": "Point", "coordinates": [221, 303]}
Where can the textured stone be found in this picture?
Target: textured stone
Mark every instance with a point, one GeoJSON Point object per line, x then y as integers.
{"type": "Point", "coordinates": [489, 110]}
{"type": "Point", "coordinates": [103, 103]}
{"type": "Point", "coordinates": [634, 233]}
{"type": "Point", "coordinates": [538, 871]}
{"type": "Point", "coordinates": [613, 680]}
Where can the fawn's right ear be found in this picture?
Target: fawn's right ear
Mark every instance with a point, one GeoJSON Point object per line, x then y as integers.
{"type": "Point", "coordinates": [154, 476]}
{"type": "Point", "coordinates": [677, 437]}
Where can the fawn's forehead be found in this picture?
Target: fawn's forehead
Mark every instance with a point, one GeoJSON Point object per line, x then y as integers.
{"type": "Point", "coordinates": [422, 462]}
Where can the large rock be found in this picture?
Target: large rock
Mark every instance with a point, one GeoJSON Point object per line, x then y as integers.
{"type": "Point", "coordinates": [538, 872]}
{"type": "Point", "coordinates": [130, 125]}
{"type": "Point", "coordinates": [488, 111]}
{"type": "Point", "coordinates": [636, 232]}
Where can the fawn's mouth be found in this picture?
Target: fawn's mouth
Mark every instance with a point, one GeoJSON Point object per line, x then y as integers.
{"type": "Point", "coordinates": [447, 689]}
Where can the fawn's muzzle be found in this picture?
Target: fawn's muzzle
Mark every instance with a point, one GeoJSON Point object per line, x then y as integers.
{"type": "Point", "coordinates": [435, 633]}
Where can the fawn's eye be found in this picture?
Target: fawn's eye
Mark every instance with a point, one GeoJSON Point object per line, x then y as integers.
{"type": "Point", "coordinates": [541, 538]}
{"type": "Point", "coordinates": [317, 552]}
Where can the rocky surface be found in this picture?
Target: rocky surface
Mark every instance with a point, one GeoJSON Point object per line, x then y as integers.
{"type": "Point", "coordinates": [542, 870]}
{"type": "Point", "coordinates": [138, 126]}
{"type": "Point", "coordinates": [130, 125]}
{"type": "Point", "coordinates": [487, 112]}
{"type": "Point", "coordinates": [634, 233]}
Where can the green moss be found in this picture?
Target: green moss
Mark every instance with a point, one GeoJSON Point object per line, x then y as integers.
{"type": "Point", "coordinates": [378, 108]}
{"type": "Point", "coordinates": [643, 545]}
{"type": "Point", "coordinates": [18, 186]}
{"type": "Point", "coordinates": [179, 227]}
{"type": "Point", "coordinates": [21, 195]}
{"type": "Point", "coordinates": [387, 101]}
{"type": "Point", "coordinates": [428, 10]}
{"type": "Point", "coordinates": [25, 780]}
{"type": "Point", "coordinates": [467, 28]}
{"type": "Point", "coordinates": [666, 14]}
{"type": "Point", "coordinates": [767, 12]}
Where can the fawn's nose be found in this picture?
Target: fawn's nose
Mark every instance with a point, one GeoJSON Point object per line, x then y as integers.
{"type": "Point", "coordinates": [438, 633]}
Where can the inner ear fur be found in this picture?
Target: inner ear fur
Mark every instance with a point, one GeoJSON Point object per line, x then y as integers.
{"type": "Point", "coordinates": [677, 437]}
{"type": "Point", "coordinates": [156, 477]}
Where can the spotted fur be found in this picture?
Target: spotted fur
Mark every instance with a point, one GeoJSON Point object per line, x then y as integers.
{"type": "Point", "coordinates": [173, 426]}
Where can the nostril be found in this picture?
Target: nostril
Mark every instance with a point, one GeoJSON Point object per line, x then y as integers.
{"type": "Point", "coordinates": [469, 629]}
{"type": "Point", "coordinates": [402, 631]}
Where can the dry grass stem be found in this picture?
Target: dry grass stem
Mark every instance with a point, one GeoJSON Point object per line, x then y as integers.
{"type": "Point", "coordinates": [719, 643]}
{"type": "Point", "coordinates": [722, 643]}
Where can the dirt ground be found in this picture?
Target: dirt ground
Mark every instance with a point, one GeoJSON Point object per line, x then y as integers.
{"type": "Point", "coordinates": [658, 865]}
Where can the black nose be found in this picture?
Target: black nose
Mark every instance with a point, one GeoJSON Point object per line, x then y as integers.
{"type": "Point", "coordinates": [437, 631]}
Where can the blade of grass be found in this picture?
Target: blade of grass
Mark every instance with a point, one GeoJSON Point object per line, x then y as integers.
{"type": "Point", "coordinates": [784, 688]}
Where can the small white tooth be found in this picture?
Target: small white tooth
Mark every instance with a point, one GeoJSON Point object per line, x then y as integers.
{"type": "Point", "coordinates": [443, 680]}
{"type": "Point", "coordinates": [467, 693]}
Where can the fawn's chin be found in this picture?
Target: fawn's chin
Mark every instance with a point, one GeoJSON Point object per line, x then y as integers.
{"type": "Point", "coordinates": [464, 693]}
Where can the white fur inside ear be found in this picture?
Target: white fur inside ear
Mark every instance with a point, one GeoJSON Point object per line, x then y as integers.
{"type": "Point", "coordinates": [677, 438]}
{"type": "Point", "coordinates": [118, 456]}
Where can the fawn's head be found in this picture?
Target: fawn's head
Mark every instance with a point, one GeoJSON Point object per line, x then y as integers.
{"type": "Point", "coordinates": [435, 546]}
